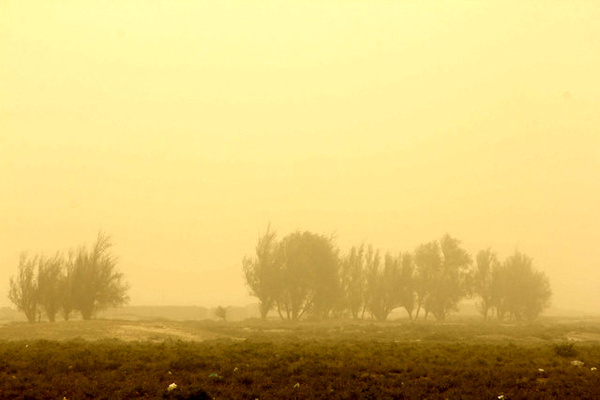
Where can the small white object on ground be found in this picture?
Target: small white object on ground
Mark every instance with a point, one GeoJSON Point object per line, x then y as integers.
{"type": "Point", "coordinates": [577, 363]}
{"type": "Point", "coordinates": [172, 387]}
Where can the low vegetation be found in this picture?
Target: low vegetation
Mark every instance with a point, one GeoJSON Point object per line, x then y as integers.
{"type": "Point", "coordinates": [312, 360]}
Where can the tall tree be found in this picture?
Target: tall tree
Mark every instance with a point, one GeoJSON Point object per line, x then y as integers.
{"type": "Point", "coordinates": [263, 272]}
{"type": "Point", "coordinates": [67, 289]}
{"type": "Point", "coordinates": [23, 288]}
{"type": "Point", "coordinates": [49, 278]}
{"type": "Point", "coordinates": [406, 289]}
{"type": "Point", "coordinates": [428, 263]}
{"type": "Point", "coordinates": [388, 285]}
{"type": "Point", "coordinates": [483, 279]}
{"type": "Point", "coordinates": [96, 282]}
{"type": "Point", "coordinates": [372, 265]}
{"type": "Point", "coordinates": [522, 292]}
{"type": "Point", "coordinates": [309, 268]}
{"type": "Point", "coordinates": [353, 281]}
{"type": "Point", "coordinates": [443, 268]}
{"type": "Point", "coordinates": [384, 287]}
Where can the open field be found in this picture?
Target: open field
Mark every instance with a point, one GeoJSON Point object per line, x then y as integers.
{"type": "Point", "coordinates": [311, 360]}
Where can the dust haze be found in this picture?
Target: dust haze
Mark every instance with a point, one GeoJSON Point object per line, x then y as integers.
{"type": "Point", "coordinates": [184, 129]}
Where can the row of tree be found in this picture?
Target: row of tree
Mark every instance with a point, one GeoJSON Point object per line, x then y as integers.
{"type": "Point", "coordinates": [85, 280]}
{"type": "Point", "coordinates": [304, 273]}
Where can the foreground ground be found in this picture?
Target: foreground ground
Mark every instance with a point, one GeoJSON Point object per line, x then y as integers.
{"type": "Point", "coordinates": [274, 360]}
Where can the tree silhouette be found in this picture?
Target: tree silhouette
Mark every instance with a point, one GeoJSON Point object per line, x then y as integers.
{"type": "Point", "coordinates": [23, 288]}
{"type": "Point", "coordinates": [520, 292]}
{"type": "Point", "coordinates": [353, 281]}
{"type": "Point", "coordinates": [309, 275]}
{"type": "Point", "coordinates": [96, 282]}
{"type": "Point", "coordinates": [262, 272]}
{"type": "Point", "coordinates": [50, 275]}
{"type": "Point", "coordinates": [443, 268]}
{"type": "Point", "coordinates": [483, 280]}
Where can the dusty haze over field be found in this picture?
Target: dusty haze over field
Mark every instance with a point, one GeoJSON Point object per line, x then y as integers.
{"type": "Point", "coordinates": [183, 128]}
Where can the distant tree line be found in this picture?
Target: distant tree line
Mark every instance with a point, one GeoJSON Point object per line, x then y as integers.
{"type": "Point", "coordinates": [305, 274]}
{"type": "Point", "coordinates": [85, 281]}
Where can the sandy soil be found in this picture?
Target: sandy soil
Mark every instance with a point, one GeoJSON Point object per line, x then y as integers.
{"type": "Point", "coordinates": [101, 330]}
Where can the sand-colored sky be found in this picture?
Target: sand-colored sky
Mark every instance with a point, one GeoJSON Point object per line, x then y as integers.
{"type": "Point", "coordinates": [183, 128]}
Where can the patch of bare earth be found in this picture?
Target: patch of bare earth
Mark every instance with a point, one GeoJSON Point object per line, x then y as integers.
{"type": "Point", "coordinates": [583, 336]}
{"type": "Point", "coordinates": [102, 330]}
{"type": "Point", "coordinates": [159, 332]}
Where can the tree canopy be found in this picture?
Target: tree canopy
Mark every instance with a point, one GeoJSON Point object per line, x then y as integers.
{"type": "Point", "coordinates": [296, 275]}
{"type": "Point", "coordinates": [304, 273]}
{"type": "Point", "coordinates": [86, 281]}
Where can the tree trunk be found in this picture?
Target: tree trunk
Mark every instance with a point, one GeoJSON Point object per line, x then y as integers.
{"type": "Point", "coordinates": [264, 310]}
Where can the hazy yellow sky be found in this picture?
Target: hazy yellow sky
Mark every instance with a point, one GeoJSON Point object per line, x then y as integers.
{"type": "Point", "coordinates": [182, 128]}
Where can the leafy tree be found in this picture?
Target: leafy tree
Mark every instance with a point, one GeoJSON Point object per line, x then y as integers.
{"type": "Point", "coordinates": [23, 288]}
{"type": "Point", "coordinates": [309, 275]}
{"type": "Point", "coordinates": [428, 263]}
{"type": "Point", "coordinates": [96, 282]}
{"type": "Point", "coordinates": [384, 283]}
{"type": "Point", "coordinates": [326, 264]}
{"type": "Point", "coordinates": [500, 288]}
{"type": "Point", "coordinates": [483, 280]}
{"type": "Point", "coordinates": [367, 285]}
{"type": "Point", "coordinates": [449, 284]}
{"type": "Point", "coordinates": [406, 287]}
{"type": "Point", "coordinates": [521, 292]}
{"type": "Point", "coordinates": [442, 271]}
{"type": "Point", "coordinates": [372, 263]}
{"type": "Point", "coordinates": [67, 288]}
{"type": "Point", "coordinates": [374, 299]}
{"type": "Point", "coordinates": [49, 278]}
{"type": "Point", "coordinates": [263, 272]}
{"type": "Point", "coordinates": [353, 281]}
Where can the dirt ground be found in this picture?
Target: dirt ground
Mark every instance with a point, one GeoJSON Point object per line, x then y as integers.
{"type": "Point", "coordinates": [104, 329]}
{"type": "Point", "coordinates": [195, 331]}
